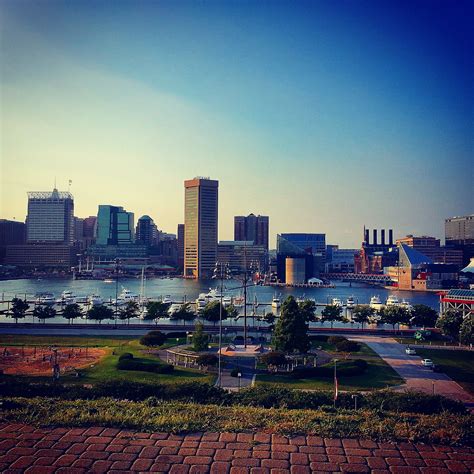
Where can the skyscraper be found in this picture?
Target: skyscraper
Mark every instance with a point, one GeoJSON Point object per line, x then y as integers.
{"type": "Point", "coordinates": [200, 227]}
{"type": "Point", "coordinates": [147, 232]}
{"type": "Point", "coordinates": [114, 226]}
{"type": "Point", "coordinates": [252, 228]}
{"type": "Point", "coordinates": [50, 217]}
{"type": "Point", "coordinates": [180, 246]}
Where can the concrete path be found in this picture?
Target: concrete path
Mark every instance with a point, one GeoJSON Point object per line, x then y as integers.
{"type": "Point", "coordinates": [245, 365]}
{"type": "Point", "coordinates": [416, 376]}
{"type": "Point", "coordinates": [97, 450]}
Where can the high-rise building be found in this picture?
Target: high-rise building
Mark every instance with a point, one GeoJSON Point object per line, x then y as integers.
{"type": "Point", "coordinates": [147, 232]}
{"type": "Point", "coordinates": [50, 218]}
{"type": "Point", "coordinates": [114, 226]}
{"type": "Point", "coordinates": [252, 228]}
{"type": "Point", "coordinates": [459, 233]}
{"type": "Point", "coordinates": [373, 257]}
{"type": "Point", "coordinates": [240, 256]}
{"type": "Point", "coordinates": [180, 246]}
{"type": "Point", "coordinates": [11, 233]}
{"type": "Point", "coordinates": [90, 228]}
{"type": "Point", "coordinates": [200, 227]}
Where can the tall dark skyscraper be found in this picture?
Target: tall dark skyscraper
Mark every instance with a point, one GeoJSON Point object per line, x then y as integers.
{"type": "Point", "coordinates": [252, 228]}
{"type": "Point", "coordinates": [146, 232]}
{"type": "Point", "coordinates": [200, 227]}
{"type": "Point", "coordinates": [180, 235]}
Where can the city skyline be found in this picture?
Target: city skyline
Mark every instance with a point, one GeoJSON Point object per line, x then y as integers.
{"type": "Point", "coordinates": [326, 119]}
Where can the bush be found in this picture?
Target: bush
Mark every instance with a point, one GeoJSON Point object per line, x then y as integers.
{"type": "Point", "coordinates": [347, 346]}
{"type": "Point", "coordinates": [126, 356]}
{"type": "Point", "coordinates": [153, 339]}
{"type": "Point", "coordinates": [207, 359]}
{"type": "Point", "coordinates": [234, 372]}
{"type": "Point", "coordinates": [138, 365]}
{"type": "Point", "coordinates": [348, 368]}
{"type": "Point", "coordinates": [334, 340]}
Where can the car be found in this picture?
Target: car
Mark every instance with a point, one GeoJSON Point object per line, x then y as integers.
{"type": "Point", "coordinates": [427, 363]}
{"type": "Point", "coordinates": [410, 351]}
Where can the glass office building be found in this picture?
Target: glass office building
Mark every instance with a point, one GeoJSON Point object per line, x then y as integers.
{"type": "Point", "coordinates": [114, 226]}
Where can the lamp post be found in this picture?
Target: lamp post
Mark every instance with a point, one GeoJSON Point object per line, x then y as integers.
{"type": "Point", "coordinates": [116, 292]}
{"type": "Point", "coordinates": [239, 376]}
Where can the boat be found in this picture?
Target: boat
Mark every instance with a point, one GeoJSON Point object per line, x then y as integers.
{"type": "Point", "coordinates": [45, 298]}
{"type": "Point", "coordinates": [174, 308]}
{"type": "Point", "coordinates": [94, 299]}
{"type": "Point", "coordinates": [406, 304]}
{"type": "Point", "coordinates": [67, 297]}
{"type": "Point", "coordinates": [226, 301]}
{"type": "Point", "coordinates": [336, 302]}
{"type": "Point", "coordinates": [166, 299]}
{"type": "Point", "coordinates": [392, 300]}
{"type": "Point", "coordinates": [350, 303]}
{"type": "Point", "coordinates": [125, 297]}
{"type": "Point", "coordinates": [375, 302]}
{"type": "Point", "coordinates": [239, 301]}
{"type": "Point", "coordinates": [276, 303]}
{"type": "Point", "coordinates": [201, 301]}
{"type": "Point", "coordinates": [108, 280]}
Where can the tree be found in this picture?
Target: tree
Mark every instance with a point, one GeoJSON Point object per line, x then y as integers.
{"type": "Point", "coordinates": [153, 339]}
{"type": "Point", "coordinates": [44, 312]}
{"type": "Point", "coordinates": [308, 308]}
{"type": "Point", "coordinates": [274, 358]}
{"type": "Point", "coordinates": [184, 312]}
{"type": "Point", "coordinates": [424, 316]}
{"type": "Point", "coordinates": [99, 313]}
{"type": "Point", "coordinates": [331, 313]}
{"type": "Point", "coordinates": [362, 314]}
{"type": "Point", "coordinates": [466, 333]}
{"type": "Point", "coordinates": [200, 339]}
{"type": "Point", "coordinates": [269, 318]}
{"type": "Point", "coordinates": [19, 308]}
{"type": "Point", "coordinates": [211, 312]}
{"type": "Point", "coordinates": [156, 310]}
{"type": "Point", "coordinates": [129, 311]}
{"type": "Point", "coordinates": [450, 323]}
{"type": "Point", "coordinates": [394, 315]}
{"type": "Point", "coordinates": [72, 311]}
{"type": "Point", "coordinates": [291, 331]}
{"type": "Point", "coordinates": [232, 311]}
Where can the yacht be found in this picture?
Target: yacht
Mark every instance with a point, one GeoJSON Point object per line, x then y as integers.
{"type": "Point", "coordinates": [336, 302]}
{"type": "Point", "coordinates": [226, 301]}
{"type": "Point", "coordinates": [45, 298]}
{"type": "Point", "coordinates": [174, 308]}
{"type": "Point", "coordinates": [126, 296]}
{"type": "Point", "coordinates": [392, 300]}
{"type": "Point", "coordinates": [406, 304]}
{"type": "Point", "coordinates": [375, 302]}
{"type": "Point", "coordinates": [166, 299]}
{"type": "Point", "coordinates": [94, 299]}
{"type": "Point", "coordinates": [67, 297]}
{"type": "Point", "coordinates": [201, 301]}
{"type": "Point", "coordinates": [108, 280]}
{"type": "Point", "coordinates": [350, 303]}
{"type": "Point", "coordinates": [276, 303]}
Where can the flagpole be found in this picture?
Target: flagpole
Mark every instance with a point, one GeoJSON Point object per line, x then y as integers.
{"type": "Point", "coordinates": [335, 382]}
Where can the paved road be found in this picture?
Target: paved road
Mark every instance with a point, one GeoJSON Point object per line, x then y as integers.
{"type": "Point", "coordinates": [416, 376]}
{"type": "Point", "coordinates": [246, 367]}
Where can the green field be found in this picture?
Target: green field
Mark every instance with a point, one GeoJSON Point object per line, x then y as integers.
{"type": "Point", "coordinates": [106, 368]}
{"type": "Point", "coordinates": [459, 365]}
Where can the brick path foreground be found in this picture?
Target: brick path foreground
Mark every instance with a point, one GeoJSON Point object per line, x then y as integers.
{"type": "Point", "coordinates": [98, 450]}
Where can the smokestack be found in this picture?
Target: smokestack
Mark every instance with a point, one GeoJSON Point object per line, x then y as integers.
{"type": "Point", "coordinates": [366, 238]}
{"type": "Point", "coordinates": [375, 236]}
{"type": "Point", "coordinates": [390, 237]}
{"type": "Point", "coordinates": [382, 236]}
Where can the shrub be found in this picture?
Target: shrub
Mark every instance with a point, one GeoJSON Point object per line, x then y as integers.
{"type": "Point", "coordinates": [153, 339]}
{"type": "Point", "coordinates": [126, 356]}
{"type": "Point", "coordinates": [207, 359]}
{"type": "Point", "coordinates": [138, 365]}
{"type": "Point", "coordinates": [347, 346]}
{"type": "Point", "coordinates": [336, 339]}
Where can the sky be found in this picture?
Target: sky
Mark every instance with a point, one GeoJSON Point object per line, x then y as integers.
{"type": "Point", "coordinates": [324, 115]}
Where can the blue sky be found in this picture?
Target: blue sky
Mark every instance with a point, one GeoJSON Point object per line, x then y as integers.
{"type": "Point", "coordinates": [324, 115]}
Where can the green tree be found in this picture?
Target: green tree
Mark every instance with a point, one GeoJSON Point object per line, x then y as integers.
{"type": "Point", "coordinates": [466, 332]}
{"type": "Point", "coordinates": [308, 308]}
{"type": "Point", "coordinates": [44, 312]}
{"type": "Point", "coordinates": [331, 313]}
{"type": "Point", "coordinates": [362, 314]}
{"type": "Point", "coordinates": [72, 312]}
{"type": "Point", "coordinates": [129, 311]}
{"type": "Point", "coordinates": [211, 312]}
{"type": "Point", "coordinates": [291, 331]}
{"type": "Point", "coordinates": [153, 339]}
{"type": "Point", "coordinates": [450, 323]}
{"type": "Point", "coordinates": [19, 308]}
{"type": "Point", "coordinates": [156, 310]}
{"type": "Point", "coordinates": [424, 316]}
{"type": "Point", "coordinates": [200, 339]}
{"type": "Point", "coordinates": [99, 313]}
{"type": "Point", "coordinates": [232, 311]}
{"type": "Point", "coordinates": [269, 318]}
{"type": "Point", "coordinates": [394, 315]}
{"type": "Point", "coordinates": [184, 313]}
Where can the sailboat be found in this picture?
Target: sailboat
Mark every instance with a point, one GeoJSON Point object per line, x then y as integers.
{"type": "Point", "coordinates": [143, 300]}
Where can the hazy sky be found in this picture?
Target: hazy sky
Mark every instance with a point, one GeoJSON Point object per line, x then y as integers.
{"type": "Point", "coordinates": [325, 115]}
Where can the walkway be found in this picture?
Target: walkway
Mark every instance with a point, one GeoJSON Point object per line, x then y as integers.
{"type": "Point", "coordinates": [108, 450]}
{"type": "Point", "coordinates": [416, 376]}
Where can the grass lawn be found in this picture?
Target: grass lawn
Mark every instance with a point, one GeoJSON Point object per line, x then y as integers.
{"type": "Point", "coordinates": [459, 365]}
{"type": "Point", "coordinates": [106, 368]}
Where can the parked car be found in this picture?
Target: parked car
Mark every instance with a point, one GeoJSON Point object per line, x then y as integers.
{"type": "Point", "coordinates": [410, 351]}
{"type": "Point", "coordinates": [427, 363]}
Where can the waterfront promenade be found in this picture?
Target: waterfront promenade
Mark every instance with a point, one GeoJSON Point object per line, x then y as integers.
{"type": "Point", "coordinates": [97, 450]}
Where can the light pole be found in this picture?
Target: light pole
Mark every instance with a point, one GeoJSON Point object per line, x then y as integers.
{"type": "Point", "coordinates": [354, 397]}
{"type": "Point", "coordinates": [239, 376]}
{"type": "Point", "coordinates": [116, 293]}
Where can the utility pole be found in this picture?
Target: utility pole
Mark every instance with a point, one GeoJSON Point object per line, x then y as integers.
{"type": "Point", "coordinates": [116, 293]}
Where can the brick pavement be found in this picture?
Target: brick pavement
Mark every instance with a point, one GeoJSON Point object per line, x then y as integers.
{"type": "Point", "coordinates": [24, 448]}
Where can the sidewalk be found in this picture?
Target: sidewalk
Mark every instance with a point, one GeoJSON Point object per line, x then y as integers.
{"type": "Point", "coordinates": [99, 450]}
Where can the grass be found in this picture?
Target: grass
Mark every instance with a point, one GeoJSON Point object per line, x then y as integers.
{"type": "Point", "coordinates": [152, 415]}
{"type": "Point", "coordinates": [106, 368]}
{"type": "Point", "coordinates": [459, 365]}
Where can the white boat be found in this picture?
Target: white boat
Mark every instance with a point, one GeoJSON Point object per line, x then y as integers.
{"type": "Point", "coordinates": [276, 303]}
{"type": "Point", "coordinates": [166, 299]}
{"type": "Point", "coordinates": [94, 299]}
{"type": "Point", "coordinates": [45, 298]}
{"type": "Point", "coordinates": [336, 302]}
{"type": "Point", "coordinates": [226, 301]}
{"type": "Point", "coordinates": [67, 297]}
{"type": "Point", "coordinates": [108, 280]}
{"type": "Point", "coordinates": [174, 308]}
{"type": "Point", "coordinates": [125, 297]}
{"type": "Point", "coordinates": [392, 300]}
{"type": "Point", "coordinates": [375, 302]}
{"type": "Point", "coordinates": [239, 301]}
{"type": "Point", "coordinates": [201, 301]}
{"type": "Point", "coordinates": [350, 303]}
{"type": "Point", "coordinates": [406, 304]}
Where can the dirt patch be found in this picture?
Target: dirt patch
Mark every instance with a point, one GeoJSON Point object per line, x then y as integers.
{"type": "Point", "coordinates": [16, 360]}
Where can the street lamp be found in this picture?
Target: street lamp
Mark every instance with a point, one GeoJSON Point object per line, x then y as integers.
{"type": "Point", "coordinates": [116, 292]}
{"type": "Point", "coordinates": [239, 376]}
{"type": "Point", "coordinates": [221, 271]}
{"type": "Point", "coordinates": [354, 397]}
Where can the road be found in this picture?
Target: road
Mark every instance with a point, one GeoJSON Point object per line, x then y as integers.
{"type": "Point", "coordinates": [415, 375]}
{"type": "Point", "coordinates": [246, 367]}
